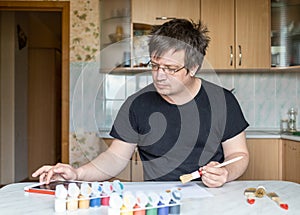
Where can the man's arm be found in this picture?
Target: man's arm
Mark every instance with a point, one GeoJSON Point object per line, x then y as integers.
{"type": "Point", "coordinates": [109, 163]}
{"type": "Point", "coordinates": [234, 147]}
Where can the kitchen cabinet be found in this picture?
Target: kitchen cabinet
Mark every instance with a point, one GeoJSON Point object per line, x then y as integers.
{"type": "Point", "coordinates": [115, 29]}
{"type": "Point", "coordinates": [265, 159]}
{"type": "Point", "coordinates": [156, 12]}
{"type": "Point", "coordinates": [285, 33]}
{"type": "Point", "coordinates": [145, 14]}
{"type": "Point", "coordinates": [239, 32]}
{"type": "Point", "coordinates": [126, 24]}
{"type": "Point", "coordinates": [291, 161]}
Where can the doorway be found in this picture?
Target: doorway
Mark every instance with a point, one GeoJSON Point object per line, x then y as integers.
{"type": "Point", "coordinates": [34, 103]}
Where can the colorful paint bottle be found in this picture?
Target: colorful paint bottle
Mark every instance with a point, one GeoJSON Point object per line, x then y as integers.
{"type": "Point", "coordinates": [151, 207]}
{"type": "Point", "coordinates": [118, 187]}
{"type": "Point", "coordinates": [95, 200]}
{"type": "Point", "coordinates": [175, 200]}
{"type": "Point", "coordinates": [115, 204]}
{"type": "Point", "coordinates": [164, 199]}
{"type": "Point", "coordinates": [107, 190]}
{"type": "Point", "coordinates": [141, 202]}
{"type": "Point", "coordinates": [73, 192]}
{"type": "Point", "coordinates": [85, 192]}
{"type": "Point", "coordinates": [128, 203]}
{"type": "Point", "coordinates": [61, 194]}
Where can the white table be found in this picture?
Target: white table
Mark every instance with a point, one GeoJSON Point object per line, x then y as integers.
{"type": "Point", "coordinates": [228, 199]}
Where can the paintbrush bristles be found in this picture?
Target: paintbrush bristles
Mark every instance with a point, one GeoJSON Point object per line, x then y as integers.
{"type": "Point", "coordinates": [186, 178]}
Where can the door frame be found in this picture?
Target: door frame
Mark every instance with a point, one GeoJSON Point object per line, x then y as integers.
{"type": "Point", "coordinates": [64, 8]}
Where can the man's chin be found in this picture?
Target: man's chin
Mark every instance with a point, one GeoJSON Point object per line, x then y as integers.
{"type": "Point", "coordinates": [162, 91]}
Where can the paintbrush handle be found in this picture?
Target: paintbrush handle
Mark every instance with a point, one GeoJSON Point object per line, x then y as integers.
{"type": "Point", "coordinates": [229, 161]}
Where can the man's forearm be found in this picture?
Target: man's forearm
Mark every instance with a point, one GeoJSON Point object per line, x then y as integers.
{"type": "Point", "coordinates": [107, 165]}
{"type": "Point", "coordinates": [236, 169]}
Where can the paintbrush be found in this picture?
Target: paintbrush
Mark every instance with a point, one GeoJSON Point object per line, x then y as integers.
{"type": "Point", "coordinates": [197, 174]}
{"type": "Point", "coordinates": [278, 201]}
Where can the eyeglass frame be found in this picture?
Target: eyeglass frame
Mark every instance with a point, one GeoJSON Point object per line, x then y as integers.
{"type": "Point", "coordinates": [164, 68]}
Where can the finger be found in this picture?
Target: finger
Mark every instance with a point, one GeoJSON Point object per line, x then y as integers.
{"type": "Point", "coordinates": [210, 181]}
{"type": "Point", "coordinates": [43, 169]}
{"type": "Point", "coordinates": [212, 163]}
{"type": "Point", "coordinates": [49, 175]}
{"type": "Point", "coordinates": [42, 177]}
{"type": "Point", "coordinates": [214, 170]}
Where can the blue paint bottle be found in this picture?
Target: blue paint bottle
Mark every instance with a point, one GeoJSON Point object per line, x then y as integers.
{"type": "Point", "coordinates": [175, 200]}
{"type": "Point", "coordinates": [164, 199]}
{"type": "Point", "coordinates": [162, 210]}
{"type": "Point", "coordinates": [95, 200]}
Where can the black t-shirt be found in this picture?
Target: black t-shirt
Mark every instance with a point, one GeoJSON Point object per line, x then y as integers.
{"type": "Point", "coordinates": [177, 139]}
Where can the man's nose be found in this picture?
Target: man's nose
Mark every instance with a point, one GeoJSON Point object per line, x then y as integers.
{"type": "Point", "coordinates": [160, 74]}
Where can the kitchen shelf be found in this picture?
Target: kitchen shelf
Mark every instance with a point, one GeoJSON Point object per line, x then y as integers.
{"type": "Point", "coordinates": [126, 70]}
{"type": "Point", "coordinates": [117, 18]}
{"type": "Point", "coordinates": [137, 70]}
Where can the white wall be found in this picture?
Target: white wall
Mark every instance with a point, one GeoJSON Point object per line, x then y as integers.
{"type": "Point", "coordinates": [21, 95]}
{"type": "Point", "coordinates": [7, 69]}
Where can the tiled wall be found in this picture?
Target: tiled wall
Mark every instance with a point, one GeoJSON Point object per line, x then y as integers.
{"type": "Point", "coordinates": [264, 97]}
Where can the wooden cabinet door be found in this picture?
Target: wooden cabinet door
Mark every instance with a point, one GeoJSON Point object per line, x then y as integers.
{"type": "Point", "coordinates": [240, 33]}
{"type": "Point", "coordinates": [218, 16]}
{"type": "Point", "coordinates": [291, 167]}
{"type": "Point", "coordinates": [156, 12]}
{"type": "Point", "coordinates": [253, 26]}
{"type": "Point", "coordinates": [265, 160]}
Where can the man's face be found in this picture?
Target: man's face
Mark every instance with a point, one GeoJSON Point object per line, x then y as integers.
{"type": "Point", "coordinates": [167, 84]}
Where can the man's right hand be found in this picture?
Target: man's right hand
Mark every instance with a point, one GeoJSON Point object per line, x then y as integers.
{"type": "Point", "coordinates": [58, 172]}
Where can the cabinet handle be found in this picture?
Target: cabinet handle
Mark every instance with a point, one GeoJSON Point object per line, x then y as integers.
{"type": "Point", "coordinates": [164, 18]}
{"type": "Point", "coordinates": [231, 55]}
{"type": "Point", "coordinates": [135, 157]}
{"type": "Point", "coordinates": [240, 55]}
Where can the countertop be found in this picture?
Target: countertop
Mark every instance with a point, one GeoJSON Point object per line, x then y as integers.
{"type": "Point", "coordinates": [270, 134]}
{"type": "Point", "coordinates": [226, 200]}
{"type": "Point", "coordinates": [249, 134]}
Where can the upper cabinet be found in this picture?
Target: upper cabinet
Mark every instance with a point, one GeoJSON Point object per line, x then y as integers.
{"type": "Point", "coordinates": [285, 34]}
{"type": "Point", "coordinates": [146, 14]}
{"type": "Point", "coordinates": [156, 12]}
{"type": "Point", "coordinates": [239, 32]}
{"type": "Point", "coordinates": [115, 34]}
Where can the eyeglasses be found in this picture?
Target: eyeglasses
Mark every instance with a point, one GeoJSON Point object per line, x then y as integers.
{"type": "Point", "coordinates": [167, 69]}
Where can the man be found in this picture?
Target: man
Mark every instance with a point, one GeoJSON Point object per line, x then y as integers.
{"type": "Point", "coordinates": [180, 123]}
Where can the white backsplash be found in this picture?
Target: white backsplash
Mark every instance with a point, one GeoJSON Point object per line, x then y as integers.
{"type": "Point", "coordinates": [264, 97]}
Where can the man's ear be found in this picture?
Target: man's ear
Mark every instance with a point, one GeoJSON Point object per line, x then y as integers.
{"type": "Point", "coordinates": [194, 70]}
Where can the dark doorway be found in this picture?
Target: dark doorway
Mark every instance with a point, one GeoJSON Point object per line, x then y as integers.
{"type": "Point", "coordinates": [38, 87]}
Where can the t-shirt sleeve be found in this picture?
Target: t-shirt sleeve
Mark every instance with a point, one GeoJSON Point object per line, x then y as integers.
{"type": "Point", "coordinates": [124, 127]}
{"type": "Point", "coordinates": [235, 120]}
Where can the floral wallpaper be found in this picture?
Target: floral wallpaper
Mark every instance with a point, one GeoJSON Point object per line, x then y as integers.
{"type": "Point", "coordinates": [84, 148]}
{"type": "Point", "coordinates": [85, 30]}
